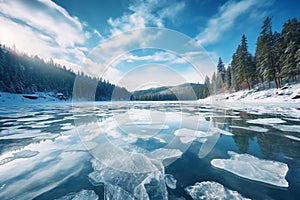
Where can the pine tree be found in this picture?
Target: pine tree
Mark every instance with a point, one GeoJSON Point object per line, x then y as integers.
{"type": "Point", "coordinates": [228, 77]}
{"type": "Point", "coordinates": [234, 71]}
{"type": "Point", "coordinates": [264, 54]}
{"type": "Point", "coordinates": [213, 88]}
{"type": "Point", "coordinates": [242, 66]}
{"type": "Point", "coordinates": [220, 75]}
{"type": "Point", "coordinates": [291, 44]}
{"type": "Point", "coordinates": [206, 91]}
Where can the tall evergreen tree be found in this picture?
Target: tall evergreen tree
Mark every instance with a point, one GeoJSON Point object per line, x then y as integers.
{"type": "Point", "coordinates": [206, 91]}
{"type": "Point", "coordinates": [228, 77]}
{"type": "Point", "coordinates": [264, 55]}
{"type": "Point", "coordinates": [242, 66]}
{"type": "Point", "coordinates": [290, 44]}
{"type": "Point", "coordinates": [213, 88]}
{"type": "Point", "coordinates": [220, 75]}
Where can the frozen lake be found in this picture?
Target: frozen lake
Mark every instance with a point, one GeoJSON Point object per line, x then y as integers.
{"type": "Point", "coordinates": [149, 150]}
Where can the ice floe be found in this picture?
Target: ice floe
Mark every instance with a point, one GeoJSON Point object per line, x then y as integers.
{"type": "Point", "coordinates": [220, 131]}
{"type": "Point", "coordinates": [266, 121]}
{"type": "Point", "coordinates": [293, 137]}
{"type": "Point", "coordinates": [170, 181]}
{"type": "Point", "coordinates": [253, 168]}
{"type": "Point", "coordinates": [288, 128]}
{"type": "Point", "coordinates": [116, 193]}
{"type": "Point", "coordinates": [82, 195]}
{"type": "Point", "coordinates": [124, 185]}
{"type": "Point", "coordinates": [251, 128]}
{"type": "Point", "coordinates": [162, 154]}
{"type": "Point", "coordinates": [210, 190]}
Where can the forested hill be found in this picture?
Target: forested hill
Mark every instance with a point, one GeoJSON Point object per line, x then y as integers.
{"type": "Point", "coordinates": [276, 61]}
{"type": "Point", "coordinates": [25, 74]}
{"type": "Point", "coordinates": [187, 91]}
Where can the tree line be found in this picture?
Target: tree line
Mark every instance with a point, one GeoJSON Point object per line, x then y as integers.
{"type": "Point", "coordinates": [24, 74]}
{"type": "Point", "coordinates": [276, 61]}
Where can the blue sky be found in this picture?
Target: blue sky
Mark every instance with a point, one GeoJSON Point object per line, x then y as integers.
{"type": "Point", "coordinates": [74, 33]}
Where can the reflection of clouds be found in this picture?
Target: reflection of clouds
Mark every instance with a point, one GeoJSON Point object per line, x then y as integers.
{"type": "Point", "coordinates": [35, 173]}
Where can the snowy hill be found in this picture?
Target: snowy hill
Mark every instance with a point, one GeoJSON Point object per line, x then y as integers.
{"type": "Point", "coordinates": [287, 94]}
{"type": "Point", "coordinates": [41, 97]}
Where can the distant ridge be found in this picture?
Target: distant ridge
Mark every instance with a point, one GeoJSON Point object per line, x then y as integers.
{"type": "Point", "coordinates": [186, 91]}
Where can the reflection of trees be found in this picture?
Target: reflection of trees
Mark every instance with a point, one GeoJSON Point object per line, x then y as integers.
{"type": "Point", "coordinates": [273, 144]}
{"type": "Point", "coordinates": [241, 137]}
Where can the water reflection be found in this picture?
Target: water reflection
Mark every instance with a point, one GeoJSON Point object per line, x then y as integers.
{"type": "Point", "coordinates": [137, 141]}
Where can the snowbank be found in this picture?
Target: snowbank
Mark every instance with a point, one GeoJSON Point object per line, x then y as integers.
{"type": "Point", "coordinates": [284, 95]}
{"type": "Point", "coordinates": [41, 97]}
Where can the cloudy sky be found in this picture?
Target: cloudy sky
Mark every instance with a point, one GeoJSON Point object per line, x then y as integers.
{"type": "Point", "coordinates": [110, 38]}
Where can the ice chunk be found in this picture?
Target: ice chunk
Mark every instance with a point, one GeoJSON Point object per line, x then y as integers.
{"type": "Point", "coordinates": [116, 193]}
{"type": "Point", "coordinates": [211, 190]}
{"type": "Point", "coordinates": [250, 167]}
{"type": "Point", "coordinates": [170, 181]}
{"type": "Point", "coordinates": [120, 184]}
{"type": "Point", "coordinates": [189, 135]}
{"type": "Point", "coordinates": [186, 140]}
{"type": "Point", "coordinates": [251, 128]}
{"type": "Point", "coordinates": [292, 137]}
{"type": "Point", "coordinates": [163, 154]}
{"type": "Point", "coordinates": [288, 128]}
{"type": "Point", "coordinates": [86, 195]}
{"type": "Point", "coordinates": [107, 175]}
{"type": "Point", "coordinates": [220, 131]}
{"type": "Point", "coordinates": [185, 132]}
{"type": "Point", "coordinates": [82, 195]}
{"type": "Point", "coordinates": [266, 121]}
{"type": "Point", "coordinates": [26, 154]}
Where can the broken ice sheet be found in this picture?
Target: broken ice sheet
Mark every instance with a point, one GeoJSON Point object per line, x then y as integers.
{"type": "Point", "coordinates": [211, 190]}
{"type": "Point", "coordinates": [288, 128]}
{"type": "Point", "coordinates": [82, 195]}
{"type": "Point", "coordinates": [170, 181]}
{"type": "Point", "coordinates": [20, 154]}
{"type": "Point", "coordinates": [120, 184]}
{"type": "Point", "coordinates": [251, 128]}
{"type": "Point", "coordinates": [253, 168]}
{"type": "Point", "coordinates": [292, 137]}
{"type": "Point", "coordinates": [266, 121]}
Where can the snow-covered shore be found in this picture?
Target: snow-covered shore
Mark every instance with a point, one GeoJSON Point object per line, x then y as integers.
{"type": "Point", "coordinates": [284, 95]}
{"type": "Point", "coordinates": [41, 97]}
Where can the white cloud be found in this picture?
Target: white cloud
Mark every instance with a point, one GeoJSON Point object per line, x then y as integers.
{"type": "Point", "coordinates": [226, 18]}
{"type": "Point", "coordinates": [46, 29]}
{"type": "Point", "coordinates": [146, 13]}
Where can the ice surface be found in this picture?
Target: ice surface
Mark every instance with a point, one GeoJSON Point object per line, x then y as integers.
{"type": "Point", "coordinates": [188, 135]}
{"type": "Point", "coordinates": [266, 121]}
{"type": "Point", "coordinates": [120, 184]}
{"type": "Point", "coordinates": [210, 190]}
{"type": "Point", "coordinates": [170, 181]}
{"type": "Point", "coordinates": [184, 132]}
{"type": "Point", "coordinates": [251, 128]}
{"type": "Point", "coordinates": [220, 131]}
{"type": "Point", "coordinates": [116, 193]}
{"type": "Point", "coordinates": [25, 154]}
{"type": "Point", "coordinates": [162, 154]}
{"type": "Point", "coordinates": [56, 162]}
{"type": "Point", "coordinates": [20, 154]}
{"type": "Point", "coordinates": [82, 195]}
{"type": "Point", "coordinates": [293, 137]}
{"type": "Point", "coordinates": [253, 168]}
{"type": "Point", "coordinates": [288, 128]}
